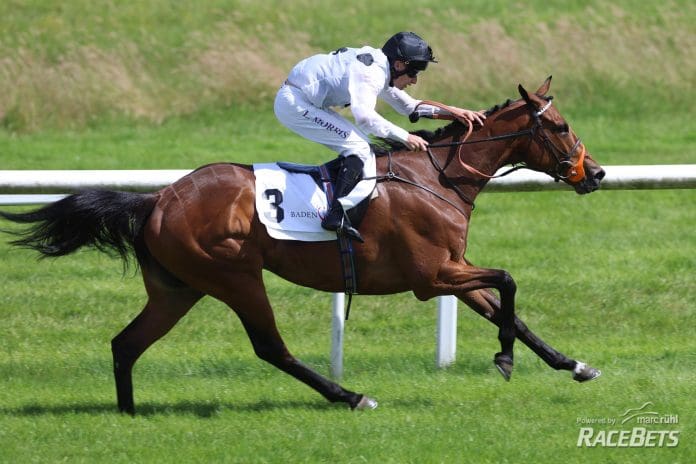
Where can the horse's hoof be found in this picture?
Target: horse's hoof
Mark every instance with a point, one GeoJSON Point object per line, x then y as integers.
{"type": "Point", "coordinates": [365, 403]}
{"type": "Point", "coordinates": [504, 365]}
{"type": "Point", "coordinates": [583, 372]}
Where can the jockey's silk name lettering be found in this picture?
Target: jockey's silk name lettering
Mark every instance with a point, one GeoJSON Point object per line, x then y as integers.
{"type": "Point", "coordinates": [326, 125]}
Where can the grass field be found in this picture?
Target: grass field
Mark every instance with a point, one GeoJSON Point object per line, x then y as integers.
{"type": "Point", "coordinates": [606, 278]}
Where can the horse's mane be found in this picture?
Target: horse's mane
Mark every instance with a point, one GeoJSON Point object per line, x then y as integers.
{"type": "Point", "coordinates": [383, 146]}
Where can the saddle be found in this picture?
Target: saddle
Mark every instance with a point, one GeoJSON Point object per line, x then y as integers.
{"type": "Point", "coordinates": [324, 176]}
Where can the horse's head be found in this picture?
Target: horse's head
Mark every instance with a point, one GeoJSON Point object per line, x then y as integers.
{"type": "Point", "coordinates": [555, 149]}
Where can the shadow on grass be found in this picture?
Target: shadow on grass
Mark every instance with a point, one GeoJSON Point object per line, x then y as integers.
{"type": "Point", "coordinates": [201, 409]}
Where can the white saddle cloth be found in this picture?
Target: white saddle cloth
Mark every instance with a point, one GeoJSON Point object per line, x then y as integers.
{"type": "Point", "coordinates": [290, 205]}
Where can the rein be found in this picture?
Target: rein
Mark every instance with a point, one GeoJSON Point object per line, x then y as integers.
{"type": "Point", "coordinates": [470, 128]}
{"type": "Point", "coordinates": [574, 172]}
{"type": "Point", "coordinates": [391, 175]}
{"type": "Point", "coordinates": [473, 170]}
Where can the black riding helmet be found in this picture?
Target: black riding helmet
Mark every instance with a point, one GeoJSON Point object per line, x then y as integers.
{"type": "Point", "coordinates": [409, 48]}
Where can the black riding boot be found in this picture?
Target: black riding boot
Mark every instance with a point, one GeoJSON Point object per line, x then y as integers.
{"type": "Point", "coordinates": [336, 218]}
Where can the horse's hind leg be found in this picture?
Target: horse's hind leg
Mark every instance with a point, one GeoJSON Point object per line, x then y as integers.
{"type": "Point", "coordinates": [164, 308]}
{"type": "Point", "coordinates": [254, 310]}
{"type": "Point", "coordinates": [487, 305]}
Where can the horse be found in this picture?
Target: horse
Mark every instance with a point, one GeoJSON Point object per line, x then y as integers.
{"type": "Point", "coordinates": [202, 236]}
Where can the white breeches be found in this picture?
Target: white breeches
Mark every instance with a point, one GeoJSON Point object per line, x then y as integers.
{"type": "Point", "coordinates": [330, 129]}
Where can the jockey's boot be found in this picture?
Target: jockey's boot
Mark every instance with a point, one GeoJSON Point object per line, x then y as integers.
{"type": "Point", "coordinates": [349, 174]}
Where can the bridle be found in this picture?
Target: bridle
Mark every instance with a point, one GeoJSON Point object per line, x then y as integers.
{"type": "Point", "coordinates": [565, 168]}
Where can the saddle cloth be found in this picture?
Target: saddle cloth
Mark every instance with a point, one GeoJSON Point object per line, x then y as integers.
{"type": "Point", "coordinates": [291, 204]}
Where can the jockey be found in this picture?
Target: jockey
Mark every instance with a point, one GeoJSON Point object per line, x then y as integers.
{"type": "Point", "coordinates": [356, 77]}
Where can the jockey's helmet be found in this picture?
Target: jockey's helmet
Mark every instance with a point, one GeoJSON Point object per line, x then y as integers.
{"type": "Point", "coordinates": [409, 48]}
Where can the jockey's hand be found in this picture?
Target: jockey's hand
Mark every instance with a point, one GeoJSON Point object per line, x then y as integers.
{"type": "Point", "coordinates": [416, 143]}
{"type": "Point", "coordinates": [475, 117]}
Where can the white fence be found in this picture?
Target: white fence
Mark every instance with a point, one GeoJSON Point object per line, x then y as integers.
{"type": "Point", "coordinates": [663, 176]}
{"type": "Point", "coordinates": [34, 187]}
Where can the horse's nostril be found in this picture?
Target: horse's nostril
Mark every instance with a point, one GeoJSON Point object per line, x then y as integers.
{"type": "Point", "coordinates": [599, 175]}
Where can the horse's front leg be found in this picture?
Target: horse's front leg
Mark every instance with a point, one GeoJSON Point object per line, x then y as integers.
{"type": "Point", "coordinates": [487, 305]}
{"type": "Point", "coordinates": [458, 279]}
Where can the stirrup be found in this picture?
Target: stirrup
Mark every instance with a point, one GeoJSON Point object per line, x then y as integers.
{"type": "Point", "coordinates": [344, 228]}
{"type": "Point", "coordinates": [350, 232]}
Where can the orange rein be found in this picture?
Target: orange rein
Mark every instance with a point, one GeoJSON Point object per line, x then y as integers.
{"type": "Point", "coordinates": [452, 117]}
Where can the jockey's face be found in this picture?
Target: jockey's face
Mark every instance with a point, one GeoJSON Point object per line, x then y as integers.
{"type": "Point", "coordinates": [404, 80]}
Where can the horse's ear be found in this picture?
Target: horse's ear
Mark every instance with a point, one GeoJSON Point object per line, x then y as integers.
{"type": "Point", "coordinates": [541, 91]}
{"type": "Point", "coordinates": [524, 93]}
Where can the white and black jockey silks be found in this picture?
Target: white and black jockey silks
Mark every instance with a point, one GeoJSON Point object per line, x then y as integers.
{"type": "Point", "coordinates": [291, 205]}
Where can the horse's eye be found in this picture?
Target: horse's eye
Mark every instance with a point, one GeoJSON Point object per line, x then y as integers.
{"type": "Point", "coordinates": [562, 129]}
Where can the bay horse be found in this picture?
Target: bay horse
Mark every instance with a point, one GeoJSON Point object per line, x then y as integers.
{"type": "Point", "coordinates": [201, 236]}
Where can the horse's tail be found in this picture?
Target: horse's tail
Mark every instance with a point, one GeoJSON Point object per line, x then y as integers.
{"type": "Point", "coordinates": [105, 220]}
